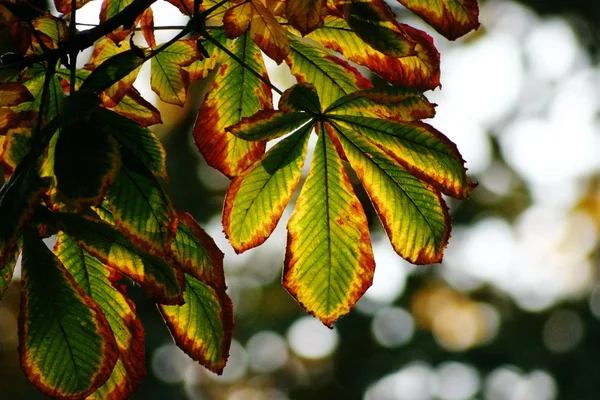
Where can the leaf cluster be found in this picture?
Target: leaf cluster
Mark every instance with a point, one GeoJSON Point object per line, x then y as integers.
{"type": "Point", "coordinates": [82, 165]}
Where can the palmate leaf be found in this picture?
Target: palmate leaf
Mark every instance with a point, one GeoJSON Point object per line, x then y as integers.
{"type": "Point", "coordinates": [160, 281]}
{"type": "Point", "coordinates": [105, 49]}
{"type": "Point", "coordinates": [263, 27]}
{"type": "Point", "coordinates": [420, 70]}
{"type": "Point", "coordinates": [328, 262]}
{"type": "Point", "coordinates": [101, 284]}
{"type": "Point", "coordinates": [168, 77]}
{"type": "Point", "coordinates": [451, 18]}
{"type": "Point", "coordinates": [331, 76]}
{"type": "Point", "coordinates": [235, 93]}
{"type": "Point", "coordinates": [403, 164]}
{"type": "Point", "coordinates": [375, 23]}
{"type": "Point", "coordinates": [412, 212]}
{"type": "Point", "coordinates": [257, 198]}
{"type": "Point", "coordinates": [200, 68]}
{"type": "Point", "coordinates": [66, 344]}
{"type": "Point", "coordinates": [109, 9]}
{"type": "Point", "coordinates": [202, 326]}
{"type": "Point", "coordinates": [135, 108]}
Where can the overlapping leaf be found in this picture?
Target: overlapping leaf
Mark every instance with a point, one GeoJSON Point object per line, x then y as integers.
{"type": "Point", "coordinates": [403, 164]}
{"type": "Point", "coordinates": [86, 162]}
{"type": "Point", "coordinates": [328, 262]}
{"type": "Point", "coordinates": [375, 23]}
{"type": "Point", "coordinates": [142, 210]}
{"type": "Point", "coordinates": [13, 94]}
{"type": "Point", "coordinates": [420, 70]}
{"type": "Point", "coordinates": [452, 18]}
{"type": "Point", "coordinates": [109, 9]}
{"type": "Point", "coordinates": [305, 15]}
{"type": "Point", "coordinates": [200, 68]}
{"type": "Point", "coordinates": [6, 272]}
{"type": "Point", "coordinates": [263, 28]}
{"type": "Point", "coordinates": [202, 326]}
{"type": "Point", "coordinates": [331, 76]}
{"type": "Point", "coordinates": [235, 93]}
{"type": "Point", "coordinates": [257, 198]}
{"type": "Point", "coordinates": [105, 49]}
{"type": "Point", "coordinates": [168, 78]}
{"type": "Point", "coordinates": [101, 284]}
{"type": "Point", "coordinates": [66, 344]}
{"type": "Point", "coordinates": [160, 281]}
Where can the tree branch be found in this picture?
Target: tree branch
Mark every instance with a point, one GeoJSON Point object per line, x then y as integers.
{"type": "Point", "coordinates": [87, 38]}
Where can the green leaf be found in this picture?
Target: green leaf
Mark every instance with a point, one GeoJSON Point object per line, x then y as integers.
{"type": "Point", "coordinates": [398, 103]}
{"type": "Point", "coordinates": [451, 18]}
{"type": "Point", "coordinates": [112, 70]}
{"type": "Point", "coordinates": [136, 140]}
{"type": "Point", "coordinates": [18, 198]}
{"type": "Point", "coordinates": [420, 70]}
{"type": "Point", "coordinates": [202, 327]}
{"type": "Point", "coordinates": [168, 77]}
{"type": "Point", "coordinates": [160, 281]}
{"type": "Point", "coordinates": [331, 76]}
{"type": "Point", "coordinates": [375, 23]}
{"type": "Point", "coordinates": [101, 284]}
{"type": "Point", "coordinates": [66, 345]}
{"type": "Point", "coordinates": [419, 148]}
{"type": "Point", "coordinates": [300, 97]}
{"type": "Point", "coordinates": [34, 82]}
{"type": "Point", "coordinates": [135, 108]}
{"type": "Point", "coordinates": [86, 162]}
{"type": "Point", "coordinates": [142, 210]}
{"type": "Point", "coordinates": [329, 262]}
{"type": "Point", "coordinates": [268, 125]}
{"type": "Point", "coordinates": [235, 93]}
{"type": "Point", "coordinates": [197, 253]}
{"type": "Point", "coordinates": [412, 212]}
{"type": "Point", "coordinates": [200, 68]}
{"type": "Point", "coordinates": [16, 145]}
{"type": "Point", "coordinates": [257, 198]}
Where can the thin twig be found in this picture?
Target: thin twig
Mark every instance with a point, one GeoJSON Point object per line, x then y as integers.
{"type": "Point", "coordinates": [74, 51]}
{"type": "Point", "coordinates": [240, 61]}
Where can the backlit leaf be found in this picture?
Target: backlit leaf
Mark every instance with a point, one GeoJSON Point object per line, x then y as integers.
{"type": "Point", "coordinates": [305, 15]}
{"type": "Point", "coordinates": [86, 162]}
{"type": "Point", "coordinates": [101, 284]}
{"type": "Point", "coordinates": [134, 107]}
{"type": "Point", "coordinates": [147, 27]}
{"type": "Point", "coordinates": [300, 97]}
{"type": "Point", "coordinates": [142, 210]}
{"type": "Point", "coordinates": [160, 282]}
{"type": "Point", "coordinates": [112, 70]}
{"type": "Point", "coordinates": [419, 148]}
{"type": "Point", "coordinates": [412, 212]}
{"type": "Point", "coordinates": [421, 70]}
{"type": "Point", "coordinates": [398, 103]}
{"type": "Point", "coordinates": [34, 81]}
{"type": "Point", "coordinates": [197, 253]}
{"type": "Point", "coordinates": [202, 327]}
{"type": "Point", "coordinates": [451, 18]}
{"type": "Point", "coordinates": [329, 262]}
{"type": "Point", "coordinates": [168, 78]}
{"type": "Point", "coordinates": [235, 93]}
{"type": "Point", "coordinates": [265, 31]}
{"type": "Point", "coordinates": [14, 148]}
{"type": "Point", "coordinates": [200, 68]}
{"type": "Point", "coordinates": [257, 198]}
{"type": "Point", "coordinates": [331, 76]}
{"type": "Point", "coordinates": [269, 124]}
{"type": "Point", "coordinates": [109, 9]}
{"type": "Point", "coordinates": [64, 6]}
{"type": "Point", "coordinates": [137, 141]}
{"type": "Point", "coordinates": [104, 50]}
{"type": "Point", "coordinates": [66, 345]}
{"type": "Point", "coordinates": [375, 23]}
